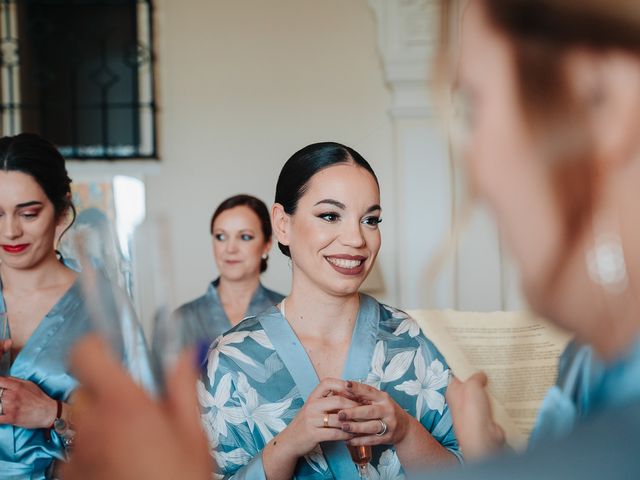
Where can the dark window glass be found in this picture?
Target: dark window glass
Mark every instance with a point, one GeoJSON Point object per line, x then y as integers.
{"type": "Point", "coordinates": [81, 75]}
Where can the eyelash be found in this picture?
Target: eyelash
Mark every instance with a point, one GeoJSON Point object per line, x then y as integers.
{"type": "Point", "coordinates": [372, 221]}
{"type": "Point", "coordinates": [325, 216]}
{"type": "Point", "coordinates": [29, 215]}
{"type": "Point", "coordinates": [221, 237]}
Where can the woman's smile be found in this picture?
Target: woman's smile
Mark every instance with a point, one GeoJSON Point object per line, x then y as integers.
{"type": "Point", "coordinates": [347, 264]}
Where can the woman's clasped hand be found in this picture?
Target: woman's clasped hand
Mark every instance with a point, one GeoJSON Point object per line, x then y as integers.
{"type": "Point", "coordinates": [377, 420]}
{"type": "Point", "coordinates": [318, 419]}
{"type": "Point", "coordinates": [25, 405]}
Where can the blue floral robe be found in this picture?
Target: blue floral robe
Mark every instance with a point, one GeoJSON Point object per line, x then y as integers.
{"type": "Point", "coordinates": [257, 377]}
{"type": "Point", "coordinates": [28, 453]}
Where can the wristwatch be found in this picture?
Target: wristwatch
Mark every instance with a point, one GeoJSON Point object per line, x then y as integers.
{"type": "Point", "coordinates": [61, 427]}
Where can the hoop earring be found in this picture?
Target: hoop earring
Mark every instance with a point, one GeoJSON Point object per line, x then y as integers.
{"type": "Point", "coordinates": [605, 260]}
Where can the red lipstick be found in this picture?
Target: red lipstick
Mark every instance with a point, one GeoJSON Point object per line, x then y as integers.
{"type": "Point", "coordinates": [15, 248]}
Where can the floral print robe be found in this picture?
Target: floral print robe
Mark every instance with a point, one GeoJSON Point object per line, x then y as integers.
{"type": "Point", "coordinates": [257, 377]}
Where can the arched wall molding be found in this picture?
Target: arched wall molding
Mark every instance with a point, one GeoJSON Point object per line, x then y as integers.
{"type": "Point", "coordinates": [427, 184]}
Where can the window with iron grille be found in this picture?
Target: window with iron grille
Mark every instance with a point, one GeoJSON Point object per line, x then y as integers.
{"type": "Point", "coordinates": [80, 73]}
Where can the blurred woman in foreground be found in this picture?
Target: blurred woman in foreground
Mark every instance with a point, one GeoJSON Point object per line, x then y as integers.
{"type": "Point", "coordinates": [550, 91]}
{"type": "Point", "coordinates": [563, 98]}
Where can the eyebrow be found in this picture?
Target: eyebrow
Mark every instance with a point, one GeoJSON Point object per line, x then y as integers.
{"type": "Point", "coordinates": [373, 208]}
{"type": "Point", "coordinates": [342, 206]}
{"type": "Point", "coordinates": [335, 203]}
{"type": "Point", "coordinates": [28, 204]}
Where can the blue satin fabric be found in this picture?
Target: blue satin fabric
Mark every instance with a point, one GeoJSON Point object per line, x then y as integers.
{"type": "Point", "coordinates": [28, 453]}
{"type": "Point", "coordinates": [586, 385]}
{"type": "Point", "coordinates": [204, 319]}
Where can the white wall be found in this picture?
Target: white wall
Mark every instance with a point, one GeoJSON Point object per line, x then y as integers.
{"type": "Point", "coordinates": [242, 85]}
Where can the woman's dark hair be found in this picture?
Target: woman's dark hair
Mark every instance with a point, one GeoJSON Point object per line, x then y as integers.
{"type": "Point", "coordinates": [257, 206]}
{"type": "Point", "coordinates": [31, 154]}
{"type": "Point", "coordinates": [304, 164]}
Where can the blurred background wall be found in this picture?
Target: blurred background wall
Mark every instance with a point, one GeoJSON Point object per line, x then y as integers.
{"type": "Point", "coordinates": [243, 84]}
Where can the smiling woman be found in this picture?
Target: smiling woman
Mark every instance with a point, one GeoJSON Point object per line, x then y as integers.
{"type": "Point", "coordinates": [279, 385]}
{"type": "Point", "coordinates": [241, 234]}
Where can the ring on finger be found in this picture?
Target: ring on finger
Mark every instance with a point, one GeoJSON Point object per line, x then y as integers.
{"type": "Point", "coordinates": [2, 389]}
{"type": "Point", "coordinates": [383, 428]}
{"type": "Point", "coordinates": [325, 420]}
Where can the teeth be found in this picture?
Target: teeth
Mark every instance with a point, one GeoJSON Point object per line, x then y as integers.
{"type": "Point", "coordinates": [343, 263]}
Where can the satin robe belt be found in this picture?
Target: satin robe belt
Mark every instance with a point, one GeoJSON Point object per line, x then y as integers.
{"type": "Point", "coordinates": [21, 471]}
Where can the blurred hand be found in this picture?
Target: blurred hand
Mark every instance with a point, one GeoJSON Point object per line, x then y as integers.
{"type": "Point", "coordinates": [25, 405]}
{"type": "Point", "coordinates": [363, 420]}
{"type": "Point", "coordinates": [122, 433]}
{"type": "Point", "coordinates": [477, 433]}
{"type": "Point", "coordinates": [5, 346]}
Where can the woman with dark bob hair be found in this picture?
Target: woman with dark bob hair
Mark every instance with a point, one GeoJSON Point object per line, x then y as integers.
{"type": "Point", "coordinates": [281, 392]}
{"type": "Point", "coordinates": [42, 300]}
{"type": "Point", "coordinates": [240, 230]}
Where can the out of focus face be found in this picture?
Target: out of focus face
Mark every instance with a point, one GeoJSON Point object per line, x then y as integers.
{"type": "Point", "coordinates": [506, 168]}
{"type": "Point", "coordinates": [333, 235]}
{"type": "Point", "coordinates": [27, 222]}
{"type": "Point", "coordinates": [238, 244]}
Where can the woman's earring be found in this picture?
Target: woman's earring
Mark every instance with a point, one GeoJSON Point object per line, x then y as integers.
{"type": "Point", "coordinates": [605, 260]}
{"type": "Point", "coordinates": [265, 256]}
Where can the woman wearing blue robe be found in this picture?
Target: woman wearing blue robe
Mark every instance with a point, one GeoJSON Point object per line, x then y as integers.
{"type": "Point", "coordinates": [285, 393]}
{"type": "Point", "coordinates": [203, 320]}
{"type": "Point", "coordinates": [241, 233]}
{"type": "Point", "coordinates": [28, 452]}
{"type": "Point", "coordinates": [42, 300]}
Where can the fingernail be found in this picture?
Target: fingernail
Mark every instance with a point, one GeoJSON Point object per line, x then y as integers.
{"type": "Point", "coordinates": [346, 427]}
{"type": "Point", "coordinates": [342, 416]}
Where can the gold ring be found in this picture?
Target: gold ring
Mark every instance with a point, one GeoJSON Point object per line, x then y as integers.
{"type": "Point", "coordinates": [325, 420]}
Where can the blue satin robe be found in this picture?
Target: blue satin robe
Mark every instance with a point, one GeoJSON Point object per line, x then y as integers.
{"type": "Point", "coordinates": [586, 385]}
{"type": "Point", "coordinates": [257, 377]}
{"type": "Point", "coordinates": [28, 453]}
{"type": "Point", "coordinates": [204, 319]}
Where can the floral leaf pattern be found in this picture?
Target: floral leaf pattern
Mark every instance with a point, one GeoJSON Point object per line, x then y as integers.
{"type": "Point", "coordinates": [247, 396]}
{"type": "Point", "coordinates": [396, 368]}
{"type": "Point", "coordinates": [426, 385]}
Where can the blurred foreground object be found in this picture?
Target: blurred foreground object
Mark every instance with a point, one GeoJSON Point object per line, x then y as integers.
{"type": "Point", "coordinates": [123, 434]}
